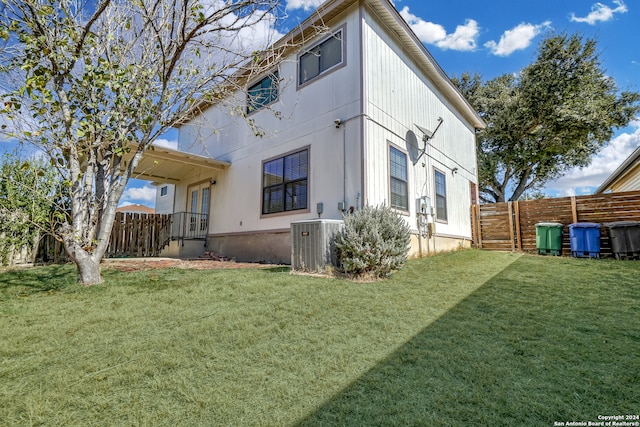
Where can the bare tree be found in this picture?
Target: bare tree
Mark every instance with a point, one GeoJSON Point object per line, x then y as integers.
{"type": "Point", "coordinates": [89, 82]}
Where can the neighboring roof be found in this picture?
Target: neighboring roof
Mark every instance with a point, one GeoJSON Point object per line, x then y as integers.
{"type": "Point", "coordinates": [625, 167]}
{"type": "Point", "coordinates": [161, 164]}
{"type": "Point", "coordinates": [392, 19]}
{"type": "Point", "coordinates": [136, 208]}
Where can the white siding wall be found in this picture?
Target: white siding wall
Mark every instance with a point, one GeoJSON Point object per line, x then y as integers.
{"type": "Point", "coordinates": [306, 119]}
{"type": "Point", "coordinates": [164, 204]}
{"type": "Point", "coordinates": [397, 98]}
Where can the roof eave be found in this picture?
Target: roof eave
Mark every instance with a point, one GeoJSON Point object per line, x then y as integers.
{"type": "Point", "coordinates": [432, 69]}
{"type": "Point", "coordinates": [332, 8]}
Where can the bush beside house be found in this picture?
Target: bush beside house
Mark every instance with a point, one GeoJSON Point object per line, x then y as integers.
{"type": "Point", "coordinates": [374, 243]}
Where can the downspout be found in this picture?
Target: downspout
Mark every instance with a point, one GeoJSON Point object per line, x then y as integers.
{"type": "Point", "coordinates": [427, 191]}
{"type": "Point", "coordinates": [419, 235]}
{"type": "Point", "coordinates": [344, 167]}
{"type": "Point", "coordinates": [363, 155]}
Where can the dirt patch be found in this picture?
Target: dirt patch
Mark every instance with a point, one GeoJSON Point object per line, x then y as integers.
{"type": "Point", "coordinates": [145, 264]}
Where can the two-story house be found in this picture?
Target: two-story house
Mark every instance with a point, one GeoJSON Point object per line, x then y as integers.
{"type": "Point", "coordinates": [360, 115]}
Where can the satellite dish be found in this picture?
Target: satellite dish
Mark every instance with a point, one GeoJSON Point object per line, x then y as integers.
{"type": "Point", "coordinates": [426, 133]}
{"type": "Point", "coordinates": [412, 147]}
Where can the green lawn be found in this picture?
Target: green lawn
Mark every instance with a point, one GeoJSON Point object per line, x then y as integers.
{"type": "Point", "coordinates": [466, 338]}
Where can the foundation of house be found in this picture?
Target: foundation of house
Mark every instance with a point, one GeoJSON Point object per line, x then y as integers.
{"type": "Point", "coordinates": [266, 247]}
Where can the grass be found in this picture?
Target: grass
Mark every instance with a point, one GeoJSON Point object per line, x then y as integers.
{"type": "Point", "coordinates": [470, 337]}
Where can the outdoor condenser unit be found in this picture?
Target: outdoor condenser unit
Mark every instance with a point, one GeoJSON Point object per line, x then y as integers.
{"type": "Point", "coordinates": [312, 244]}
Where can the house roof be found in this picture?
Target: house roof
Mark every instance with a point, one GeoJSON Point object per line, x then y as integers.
{"type": "Point", "coordinates": [161, 164]}
{"type": "Point", "coordinates": [136, 208]}
{"type": "Point", "coordinates": [389, 15]}
{"type": "Point", "coordinates": [622, 170]}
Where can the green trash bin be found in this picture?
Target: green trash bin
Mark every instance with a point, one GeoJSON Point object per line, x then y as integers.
{"type": "Point", "coordinates": [549, 238]}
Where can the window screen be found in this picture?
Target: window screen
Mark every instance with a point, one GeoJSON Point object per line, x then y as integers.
{"type": "Point", "coordinates": [399, 185]}
{"type": "Point", "coordinates": [263, 93]}
{"type": "Point", "coordinates": [321, 58]}
{"type": "Point", "coordinates": [441, 196]}
{"type": "Point", "coordinates": [285, 183]}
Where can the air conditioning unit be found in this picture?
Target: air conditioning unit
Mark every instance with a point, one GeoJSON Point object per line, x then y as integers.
{"type": "Point", "coordinates": [312, 246]}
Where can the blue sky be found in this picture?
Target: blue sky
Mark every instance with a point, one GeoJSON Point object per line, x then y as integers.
{"type": "Point", "coordinates": [501, 36]}
{"type": "Point", "coordinates": [497, 37]}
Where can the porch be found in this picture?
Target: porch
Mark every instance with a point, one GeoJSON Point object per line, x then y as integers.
{"type": "Point", "coordinates": [180, 234]}
{"type": "Point", "coordinates": [189, 224]}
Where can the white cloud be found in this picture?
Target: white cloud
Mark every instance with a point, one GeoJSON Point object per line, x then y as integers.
{"type": "Point", "coordinates": [238, 34]}
{"type": "Point", "coordinates": [162, 142]}
{"type": "Point", "coordinates": [142, 195]}
{"type": "Point", "coordinates": [463, 39]}
{"type": "Point", "coordinates": [259, 34]}
{"type": "Point", "coordinates": [600, 13]}
{"type": "Point", "coordinates": [305, 5]}
{"type": "Point", "coordinates": [586, 180]}
{"type": "Point", "coordinates": [517, 38]}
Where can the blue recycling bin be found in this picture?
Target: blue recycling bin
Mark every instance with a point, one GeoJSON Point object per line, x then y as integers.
{"type": "Point", "coordinates": [585, 239]}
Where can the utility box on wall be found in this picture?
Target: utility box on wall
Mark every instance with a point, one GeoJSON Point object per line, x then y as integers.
{"type": "Point", "coordinates": [312, 244]}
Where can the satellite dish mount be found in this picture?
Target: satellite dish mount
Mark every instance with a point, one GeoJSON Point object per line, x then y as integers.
{"type": "Point", "coordinates": [427, 135]}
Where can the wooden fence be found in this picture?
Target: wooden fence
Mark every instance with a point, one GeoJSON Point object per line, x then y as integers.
{"type": "Point", "coordinates": [139, 235]}
{"type": "Point", "coordinates": [132, 235]}
{"type": "Point", "coordinates": [511, 226]}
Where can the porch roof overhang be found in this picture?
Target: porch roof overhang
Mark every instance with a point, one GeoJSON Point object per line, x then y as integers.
{"type": "Point", "coordinates": [165, 165]}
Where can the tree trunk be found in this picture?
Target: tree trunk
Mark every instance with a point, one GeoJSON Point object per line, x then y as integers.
{"type": "Point", "coordinates": [88, 270]}
{"type": "Point", "coordinates": [88, 264]}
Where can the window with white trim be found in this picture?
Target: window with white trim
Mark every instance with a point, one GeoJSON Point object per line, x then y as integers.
{"type": "Point", "coordinates": [320, 58]}
{"type": "Point", "coordinates": [399, 186]}
{"type": "Point", "coordinates": [285, 183]}
{"type": "Point", "coordinates": [441, 196]}
{"type": "Point", "coordinates": [164, 190]}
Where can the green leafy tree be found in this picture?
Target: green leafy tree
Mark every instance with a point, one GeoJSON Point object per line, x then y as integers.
{"type": "Point", "coordinates": [27, 188]}
{"type": "Point", "coordinates": [88, 82]}
{"type": "Point", "coordinates": [552, 116]}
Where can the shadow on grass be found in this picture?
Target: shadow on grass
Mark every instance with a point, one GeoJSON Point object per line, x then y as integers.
{"type": "Point", "coordinates": [38, 279]}
{"type": "Point", "coordinates": [527, 348]}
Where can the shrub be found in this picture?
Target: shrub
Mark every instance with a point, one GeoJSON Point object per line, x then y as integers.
{"type": "Point", "coordinates": [373, 243]}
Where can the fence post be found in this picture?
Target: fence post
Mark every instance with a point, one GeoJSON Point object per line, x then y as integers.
{"type": "Point", "coordinates": [476, 225]}
{"type": "Point", "coordinates": [574, 209]}
{"type": "Point", "coordinates": [511, 237]}
{"type": "Point", "coordinates": [516, 213]}
{"type": "Point", "coordinates": [479, 226]}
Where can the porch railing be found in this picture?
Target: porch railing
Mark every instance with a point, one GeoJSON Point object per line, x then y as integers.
{"type": "Point", "coordinates": [189, 226]}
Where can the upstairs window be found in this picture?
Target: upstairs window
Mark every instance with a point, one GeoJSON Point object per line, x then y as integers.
{"type": "Point", "coordinates": [263, 92]}
{"type": "Point", "coordinates": [164, 190]}
{"type": "Point", "coordinates": [441, 196]}
{"type": "Point", "coordinates": [320, 58]}
{"type": "Point", "coordinates": [398, 182]}
{"type": "Point", "coordinates": [285, 183]}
